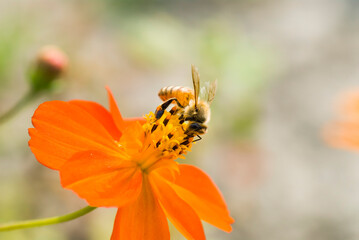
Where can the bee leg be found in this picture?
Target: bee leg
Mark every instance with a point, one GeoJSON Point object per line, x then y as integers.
{"type": "Point", "coordinates": [181, 118]}
{"type": "Point", "coordinates": [161, 108]}
{"type": "Point", "coordinates": [187, 140]}
{"type": "Point", "coordinates": [167, 119]}
{"type": "Point", "coordinates": [173, 110]}
{"type": "Point", "coordinates": [199, 138]}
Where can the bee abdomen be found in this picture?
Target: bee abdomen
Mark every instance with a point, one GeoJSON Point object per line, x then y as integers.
{"type": "Point", "coordinates": [182, 94]}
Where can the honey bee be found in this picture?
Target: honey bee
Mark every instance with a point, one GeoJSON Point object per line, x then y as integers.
{"type": "Point", "coordinates": [194, 113]}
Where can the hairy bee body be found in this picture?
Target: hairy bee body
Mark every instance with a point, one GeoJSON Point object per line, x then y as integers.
{"type": "Point", "coordinates": [183, 94]}
{"type": "Point", "coordinates": [193, 112]}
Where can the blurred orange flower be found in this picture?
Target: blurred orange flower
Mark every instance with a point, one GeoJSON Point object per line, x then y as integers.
{"type": "Point", "coordinates": [344, 132]}
{"type": "Point", "coordinates": [127, 163]}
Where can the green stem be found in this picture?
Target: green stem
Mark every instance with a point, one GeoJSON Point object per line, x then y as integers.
{"type": "Point", "coordinates": [20, 104]}
{"type": "Point", "coordinates": [45, 221]}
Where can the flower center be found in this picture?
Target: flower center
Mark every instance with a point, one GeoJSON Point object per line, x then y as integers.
{"type": "Point", "coordinates": [167, 134]}
{"type": "Point", "coordinates": [164, 140]}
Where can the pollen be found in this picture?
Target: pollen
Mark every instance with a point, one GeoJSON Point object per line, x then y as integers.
{"type": "Point", "coordinates": [167, 135]}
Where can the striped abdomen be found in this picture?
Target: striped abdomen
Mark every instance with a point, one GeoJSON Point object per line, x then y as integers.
{"type": "Point", "coordinates": [182, 94]}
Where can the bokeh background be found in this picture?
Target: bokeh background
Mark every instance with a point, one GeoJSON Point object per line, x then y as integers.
{"type": "Point", "coordinates": [280, 65]}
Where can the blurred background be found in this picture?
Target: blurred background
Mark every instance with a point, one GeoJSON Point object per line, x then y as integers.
{"type": "Point", "coordinates": [280, 65]}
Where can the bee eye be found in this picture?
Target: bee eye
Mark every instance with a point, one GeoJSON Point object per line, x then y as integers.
{"type": "Point", "coordinates": [195, 126]}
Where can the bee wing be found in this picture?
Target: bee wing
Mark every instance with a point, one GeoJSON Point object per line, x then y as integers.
{"type": "Point", "coordinates": [212, 91]}
{"type": "Point", "coordinates": [196, 86]}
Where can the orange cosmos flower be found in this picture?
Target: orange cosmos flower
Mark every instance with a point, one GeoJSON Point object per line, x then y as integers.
{"type": "Point", "coordinates": [344, 133]}
{"type": "Point", "coordinates": [127, 163]}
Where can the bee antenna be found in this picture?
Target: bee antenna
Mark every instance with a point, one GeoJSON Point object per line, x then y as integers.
{"type": "Point", "coordinates": [196, 84]}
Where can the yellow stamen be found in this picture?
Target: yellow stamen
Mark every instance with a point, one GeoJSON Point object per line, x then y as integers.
{"type": "Point", "coordinates": [167, 138]}
{"type": "Point", "coordinates": [161, 142]}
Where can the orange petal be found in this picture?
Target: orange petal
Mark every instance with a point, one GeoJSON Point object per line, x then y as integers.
{"type": "Point", "coordinates": [142, 219]}
{"type": "Point", "coordinates": [102, 180]}
{"type": "Point", "coordinates": [349, 104]}
{"type": "Point", "coordinates": [197, 189]}
{"type": "Point", "coordinates": [115, 112]}
{"type": "Point", "coordinates": [62, 129]}
{"type": "Point", "coordinates": [167, 168]}
{"type": "Point", "coordinates": [183, 217]}
{"type": "Point", "coordinates": [343, 134]}
{"type": "Point", "coordinates": [129, 121]}
{"type": "Point", "coordinates": [101, 114]}
{"type": "Point", "coordinates": [132, 138]}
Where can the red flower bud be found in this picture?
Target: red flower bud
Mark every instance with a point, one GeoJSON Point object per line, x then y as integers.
{"type": "Point", "coordinates": [50, 63]}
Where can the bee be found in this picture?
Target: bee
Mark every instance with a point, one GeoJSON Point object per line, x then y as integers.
{"type": "Point", "coordinates": [194, 113]}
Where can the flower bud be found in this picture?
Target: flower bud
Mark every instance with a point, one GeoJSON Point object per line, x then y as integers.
{"type": "Point", "coordinates": [50, 63]}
